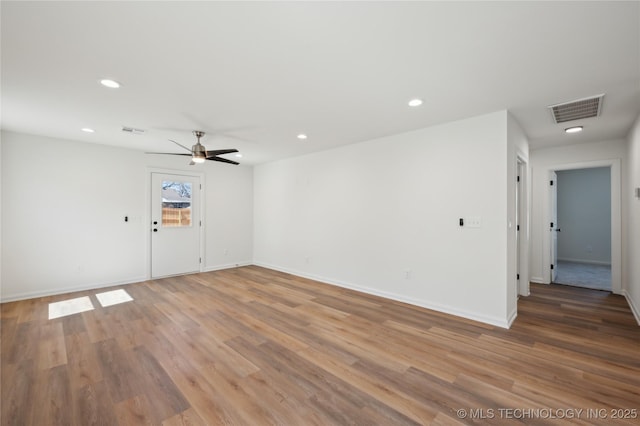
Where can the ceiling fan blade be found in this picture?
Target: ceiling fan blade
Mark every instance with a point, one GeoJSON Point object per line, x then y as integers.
{"type": "Point", "coordinates": [222, 160]}
{"type": "Point", "coordinates": [179, 144]}
{"type": "Point", "coordinates": [215, 152]}
{"type": "Point", "coordinates": [168, 153]}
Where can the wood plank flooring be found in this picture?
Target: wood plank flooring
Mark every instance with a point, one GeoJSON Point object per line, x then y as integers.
{"type": "Point", "coordinates": [251, 346]}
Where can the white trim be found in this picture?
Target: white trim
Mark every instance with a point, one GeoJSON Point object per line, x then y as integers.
{"type": "Point", "coordinates": [585, 261]}
{"type": "Point", "coordinates": [512, 317]}
{"type": "Point", "coordinates": [525, 229]}
{"type": "Point", "coordinates": [616, 219]}
{"type": "Point", "coordinates": [35, 294]}
{"type": "Point", "coordinates": [499, 322]}
{"type": "Point", "coordinates": [538, 280]}
{"type": "Point", "coordinates": [634, 309]}
{"type": "Point", "coordinates": [227, 266]}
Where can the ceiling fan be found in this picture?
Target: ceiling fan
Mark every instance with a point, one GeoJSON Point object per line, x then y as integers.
{"type": "Point", "coordinates": [199, 153]}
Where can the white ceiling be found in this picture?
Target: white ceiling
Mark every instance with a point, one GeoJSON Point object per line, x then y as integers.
{"type": "Point", "coordinates": [257, 74]}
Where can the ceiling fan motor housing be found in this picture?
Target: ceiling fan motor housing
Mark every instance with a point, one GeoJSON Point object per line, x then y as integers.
{"type": "Point", "coordinates": [199, 151]}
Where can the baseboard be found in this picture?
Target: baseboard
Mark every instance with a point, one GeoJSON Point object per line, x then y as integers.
{"type": "Point", "coordinates": [227, 266]}
{"type": "Point", "coordinates": [499, 322]}
{"type": "Point", "coordinates": [538, 280]}
{"type": "Point", "coordinates": [586, 262]}
{"type": "Point", "coordinates": [512, 317]}
{"type": "Point", "coordinates": [34, 294]}
{"type": "Point", "coordinates": [634, 308]}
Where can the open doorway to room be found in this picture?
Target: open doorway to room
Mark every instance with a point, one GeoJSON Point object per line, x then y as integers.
{"type": "Point", "coordinates": [581, 227]}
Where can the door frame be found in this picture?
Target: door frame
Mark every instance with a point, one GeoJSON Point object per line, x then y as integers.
{"type": "Point", "coordinates": [553, 229]}
{"type": "Point", "coordinates": [148, 225]}
{"type": "Point", "coordinates": [616, 218]}
{"type": "Point", "coordinates": [522, 219]}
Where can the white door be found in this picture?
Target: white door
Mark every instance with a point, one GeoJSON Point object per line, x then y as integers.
{"type": "Point", "coordinates": [553, 225]}
{"type": "Point", "coordinates": [175, 224]}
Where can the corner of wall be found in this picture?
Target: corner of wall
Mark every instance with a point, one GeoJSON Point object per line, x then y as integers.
{"type": "Point", "coordinates": [517, 214]}
{"type": "Point", "coordinates": [632, 245]}
{"type": "Point", "coordinates": [1, 136]}
{"type": "Point", "coordinates": [635, 309]}
{"type": "Point", "coordinates": [362, 220]}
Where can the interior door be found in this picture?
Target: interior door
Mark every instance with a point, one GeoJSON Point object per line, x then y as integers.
{"type": "Point", "coordinates": [175, 224]}
{"type": "Point", "coordinates": [553, 225]}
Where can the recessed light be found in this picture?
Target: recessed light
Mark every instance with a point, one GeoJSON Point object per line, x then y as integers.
{"type": "Point", "coordinates": [88, 130]}
{"type": "Point", "coordinates": [302, 136]}
{"type": "Point", "coordinates": [575, 129]}
{"type": "Point", "coordinates": [415, 102]}
{"type": "Point", "coordinates": [112, 84]}
{"type": "Point", "coordinates": [239, 155]}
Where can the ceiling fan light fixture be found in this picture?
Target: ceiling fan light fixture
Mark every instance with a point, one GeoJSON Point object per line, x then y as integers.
{"type": "Point", "coordinates": [199, 154]}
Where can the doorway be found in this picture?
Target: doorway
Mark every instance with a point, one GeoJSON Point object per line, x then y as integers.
{"type": "Point", "coordinates": [175, 224]}
{"type": "Point", "coordinates": [581, 227]}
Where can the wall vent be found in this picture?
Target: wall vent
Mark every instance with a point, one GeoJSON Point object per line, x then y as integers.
{"type": "Point", "coordinates": [132, 130]}
{"type": "Point", "coordinates": [576, 110]}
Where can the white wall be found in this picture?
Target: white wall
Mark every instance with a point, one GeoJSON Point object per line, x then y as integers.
{"type": "Point", "coordinates": [63, 209]}
{"type": "Point", "coordinates": [599, 154]}
{"type": "Point", "coordinates": [369, 215]}
{"type": "Point", "coordinates": [584, 215]}
{"type": "Point", "coordinates": [632, 204]}
{"type": "Point", "coordinates": [228, 216]}
{"type": "Point", "coordinates": [518, 149]}
{"type": "Point", "coordinates": [1, 216]}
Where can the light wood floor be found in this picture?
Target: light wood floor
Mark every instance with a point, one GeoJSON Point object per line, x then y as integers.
{"type": "Point", "coordinates": [251, 346]}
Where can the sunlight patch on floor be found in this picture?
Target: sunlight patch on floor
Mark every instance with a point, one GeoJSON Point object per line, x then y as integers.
{"type": "Point", "coordinates": [114, 297]}
{"type": "Point", "coordinates": [70, 307]}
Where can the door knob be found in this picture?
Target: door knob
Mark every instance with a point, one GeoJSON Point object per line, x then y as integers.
{"type": "Point", "coordinates": [558, 230]}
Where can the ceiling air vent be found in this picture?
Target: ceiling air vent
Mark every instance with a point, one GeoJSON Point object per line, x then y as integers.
{"type": "Point", "coordinates": [576, 110]}
{"type": "Point", "coordinates": [132, 130]}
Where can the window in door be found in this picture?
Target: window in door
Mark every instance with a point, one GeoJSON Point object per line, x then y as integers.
{"type": "Point", "coordinates": [176, 204]}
